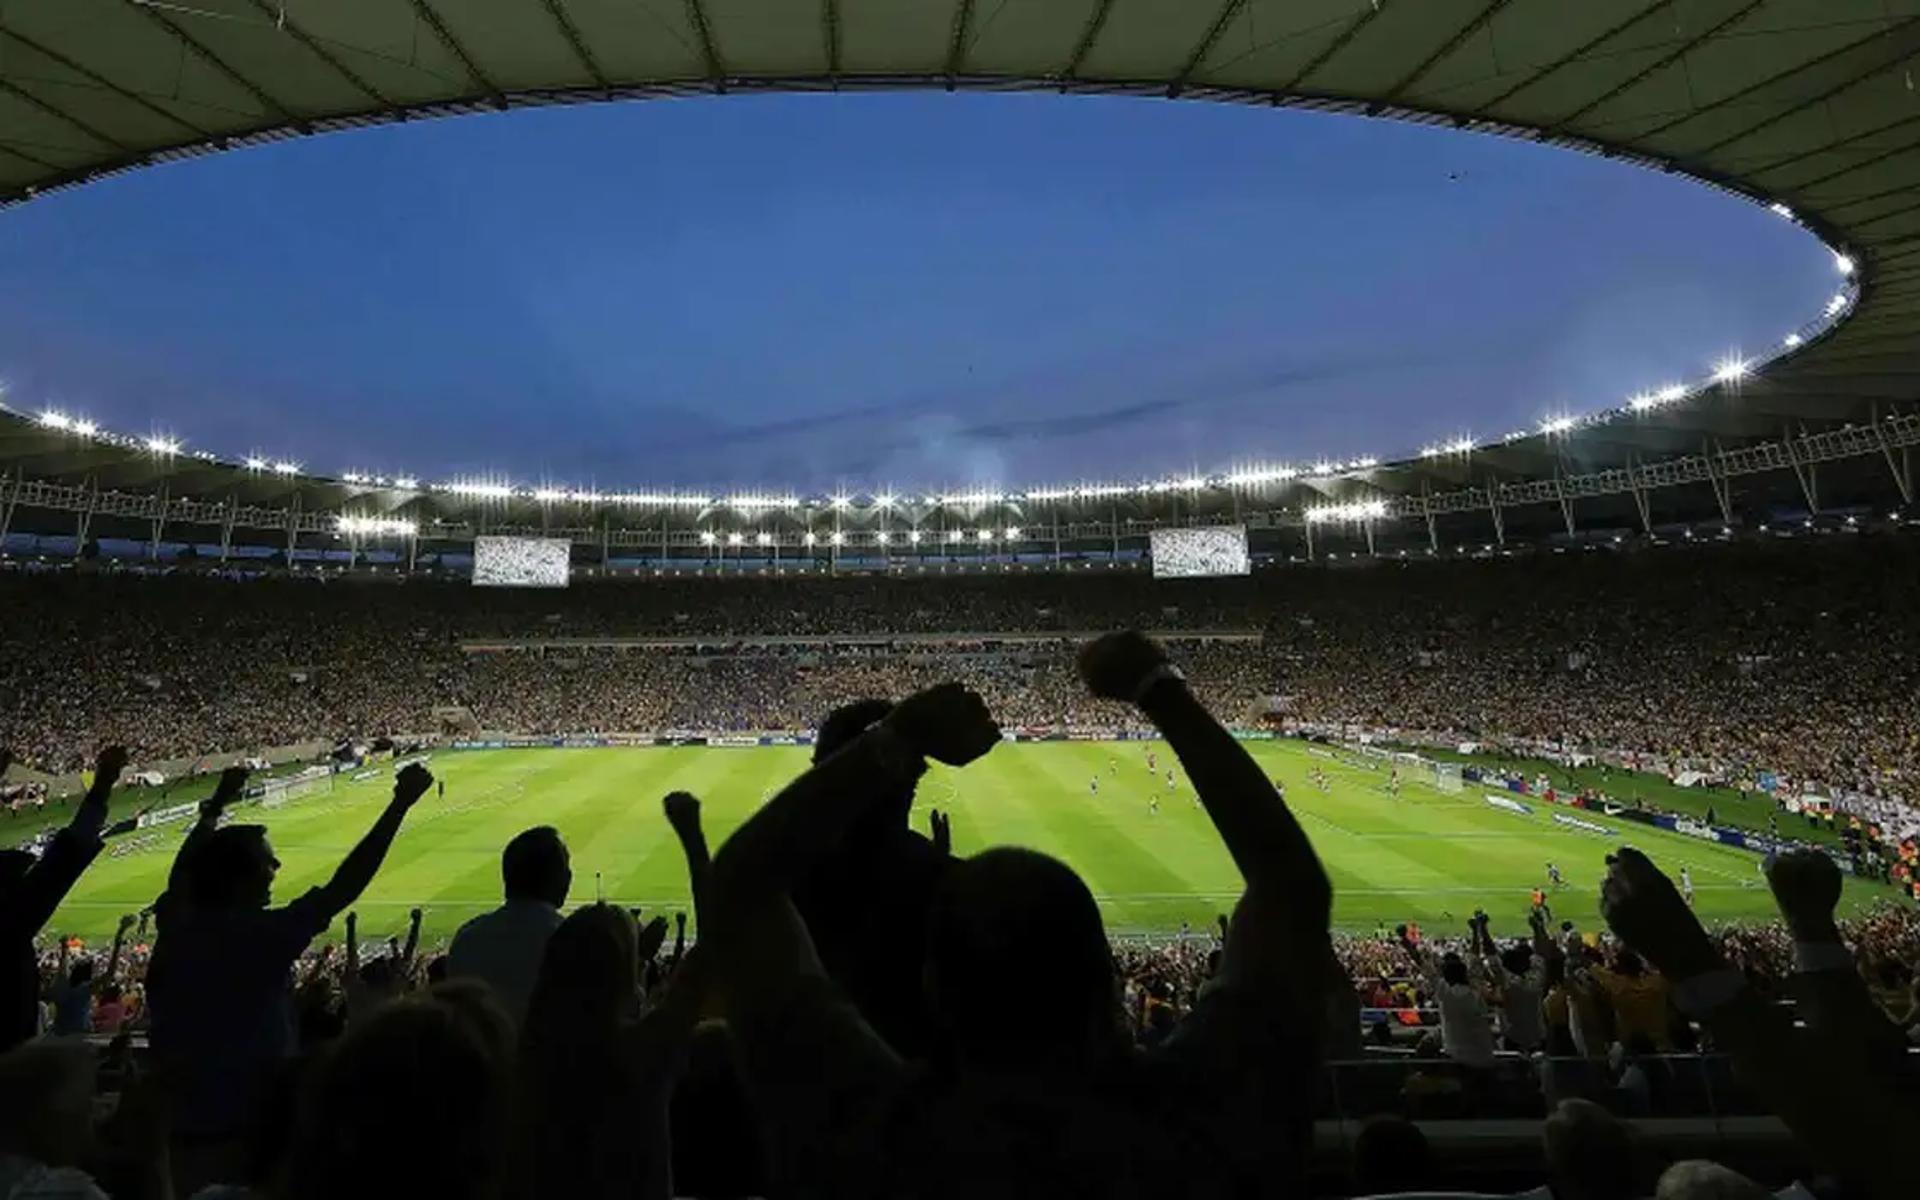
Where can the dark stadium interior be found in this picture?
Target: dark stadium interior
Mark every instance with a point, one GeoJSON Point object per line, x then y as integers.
{"type": "Point", "coordinates": [1714, 588]}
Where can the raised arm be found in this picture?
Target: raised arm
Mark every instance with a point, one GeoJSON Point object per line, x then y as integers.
{"type": "Point", "coordinates": [357, 869]}
{"type": "Point", "coordinates": [683, 814]}
{"type": "Point", "coordinates": [1803, 1079]}
{"type": "Point", "coordinates": [1284, 877]}
{"type": "Point", "coordinates": [1806, 886]}
{"type": "Point", "coordinates": [233, 781]}
{"type": "Point", "coordinates": [47, 882]}
{"type": "Point", "coordinates": [351, 974]}
{"type": "Point", "coordinates": [413, 941]}
{"type": "Point", "coordinates": [809, 1052]}
{"type": "Point", "coordinates": [119, 944]}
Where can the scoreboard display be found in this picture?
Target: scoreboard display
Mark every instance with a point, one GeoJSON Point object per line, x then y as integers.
{"type": "Point", "coordinates": [521, 562]}
{"type": "Point", "coordinates": [1195, 553]}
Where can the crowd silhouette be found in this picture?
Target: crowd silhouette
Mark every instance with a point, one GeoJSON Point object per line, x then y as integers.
{"type": "Point", "coordinates": [866, 1014]}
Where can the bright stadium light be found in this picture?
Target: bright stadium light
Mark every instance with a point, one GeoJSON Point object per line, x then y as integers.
{"type": "Point", "coordinates": [1731, 370]}
{"type": "Point", "coordinates": [549, 495]}
{"type": "Point", "coordinates": [165, 447]}
{"type": "Point", "coordinates": [764, 539]}
{"type": "Point", "coordinates": [406, 481]}
{"type": "Point", "coordinates": [1793, 341]}
{"type": "Point", "coordinates": [706, 537]}
{"type": "Point", "coordinates": [808, 538]}
{"type": "Point", "coordinates": [1013, 533]}
{"type": "Point", "coordinates": [840, 502]}
{"type": "Point", "coordinates": [256, 464]}
{"type": "Point", "coordinates": [56, 420]}
{"type": "Point", "coordinates": [885, 500]}
{"type": "Point", "coordinates": [914, 537]}
{"type": "Point", "coordinates": [1780, 210]}
{"type": "Point", "coordinates": [955, 535]}
{"type": "Point", "coordinates": [1670, 394]}
{"type": "Point", "coordinates": [284, 467]}
{"type": "Point", "coordinates": [880, 539]}
{"type": "Point", "coordinates": [838, 539]}
{"type": "Point", "coordinates": [985, 535]}
{"type": "Point", "coordinates": [1837, 305]}
{"type": "Point", "coordinates": [85, 428]}
{"type": "Point", "coordinates": [734, 539]}
{"type": "Point", "coordinates": [1843, 263]}
{"type": "Point", "coordinates": [1556, 425]}
{"type": "Point", "coordinates": [377, 526]}
{"type": "Point", "coordinates": [1364, 510]}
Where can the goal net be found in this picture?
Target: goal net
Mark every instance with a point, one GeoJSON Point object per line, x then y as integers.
{"type": "Point", "coordinates": [1446, 776]}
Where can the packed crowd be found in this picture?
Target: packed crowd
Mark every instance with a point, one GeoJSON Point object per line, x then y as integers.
{"type": "Point", "coordinates": [1795, 663]}
{"type": "Point", "coordinates": [971, 1031]}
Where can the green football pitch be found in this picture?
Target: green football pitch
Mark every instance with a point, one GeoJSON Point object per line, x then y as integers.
{"type": "Point", "coordinates": [1425, 856]}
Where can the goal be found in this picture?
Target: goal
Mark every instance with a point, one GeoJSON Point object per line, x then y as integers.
{"type": "Point", "coordinates": [1446, 777]}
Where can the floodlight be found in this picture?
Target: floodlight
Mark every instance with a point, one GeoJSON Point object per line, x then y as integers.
{"type": "Point", "coordinates": [1793, 341]}
{"type": "Point", "coordinates": [163, 446]}
{"type": "Point", "coordinates": [914, 537]}
{"type": "Point", "coordinates": [706, 537]}
{"type": "Point", "coordinates": [56, 420]}
{"type": "Point", "coordinates": [85, 428]}
{"type": "Point", "coordinates": [1556, 425]}
{"type": "Point", "coordinates": [880, 538]}
{"type": "Point", "coordinates": [256, 464]}
{"type": "Point", "coordinates": [765, 539]}
{"type": "Point", "coordinates": [839, 539]}
{"type": "Point", "coordinates": [808, 538]}
{"type": "Point", "coordinates": [734, 539]}
{"type": "Point", "coordinates": [1731, 370]}
{"type": "Point", "coordinates": [1843, 263]}
{"type": "Point", "coordinates": [1013, 533]}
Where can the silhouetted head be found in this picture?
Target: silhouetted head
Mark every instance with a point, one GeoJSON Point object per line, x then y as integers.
{"type": "Point", "coordinates": [1590, 1154]}
{"type": "Point", "coordinates": [46, 1100]}
{"type": "Point", "coordinates": [841, 727]}
{"type": "Point", "coordinates": [590, 971]}
{"type": "Point", "coordinates": [417, 1065]}
{"type": "Point", "coordinates": [1390, 1154]}
{"type": "Point", "coordinates": [1628, 963]}
{"type": "Point", "coordinates": [536, 866]}
{"type": "Point", "coordinates": [232, 869]}
{"type": "Point", "coordinates": [1009, 919]}
{"type": "Point", "coordinates": [1453, 969]}
{"type": "Point", "coordinates": [81, 973]}
{"type": "Point", "coordinates": [1517, 959]}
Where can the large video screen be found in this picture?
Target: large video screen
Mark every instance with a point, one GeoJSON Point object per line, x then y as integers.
{"type": "Point", "coordinates": [520, 562]}
{"type": "Point", "coordinates": [1187, 553]}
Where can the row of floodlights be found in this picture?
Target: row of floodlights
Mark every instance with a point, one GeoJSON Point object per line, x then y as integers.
{"type": "Point", "coordinates": [1727, 372]}
{"type": "Point", "coordinates": [911, 537]}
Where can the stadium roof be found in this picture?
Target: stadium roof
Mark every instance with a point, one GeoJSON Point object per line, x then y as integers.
{"type": "Point", "coordinates": [1806, 106]}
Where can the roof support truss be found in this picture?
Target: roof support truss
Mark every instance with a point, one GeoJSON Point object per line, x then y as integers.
{"type": "Point", "coordinates": [1198, 54]}
{"type": "Point", "coordinates": [1096, 21]}
{"type": "Point", "coordinates": [431, 16]}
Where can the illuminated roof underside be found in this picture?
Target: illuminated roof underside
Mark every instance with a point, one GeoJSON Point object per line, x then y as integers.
{"type": "Point", "coordinates": [1809, 106]}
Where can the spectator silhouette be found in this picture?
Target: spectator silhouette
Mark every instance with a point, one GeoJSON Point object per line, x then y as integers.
{"type": "Point", "coordinates": [867, 903]}
{"type": "Point", "coordinates": [413, 1102]}
{"type": "Point", "coordinates": [502, 948]}
{"type": "Point", "coordinates": [30, 889]}
{"type": "Point", "coordinates": [1047, 1096]}
{"type": "Point", "coordinates": [220, 980]}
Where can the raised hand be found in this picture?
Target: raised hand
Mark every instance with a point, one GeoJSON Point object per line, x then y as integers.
{"type": "Point", "coordinates": [942, 831]}
{"type": "Point", "coordinates": [949, 723]}
{"type": "Point", "coordinates": [1115, 666]}
{"type": "Point", "coordinates": [1646, 911]}
{"type": "Point", "coordinates": [683, 811]}
{"type": "Point", "coordinates": [108, 766]}
{"type": "Point", "coordinates": [233, 781]}
{"type": "Point", "coordinates": [127, 921]}
{"type": "Point", "coordinates": [1806, 886]}
{"type": "Point", "coordinates": [413, 917]}
{"type": "Point", "coordinates": [410, 784]}
{"type": "Point", "coordinates": [652, 936]}
{"type": "Point", "coordinates": [353, 923]}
